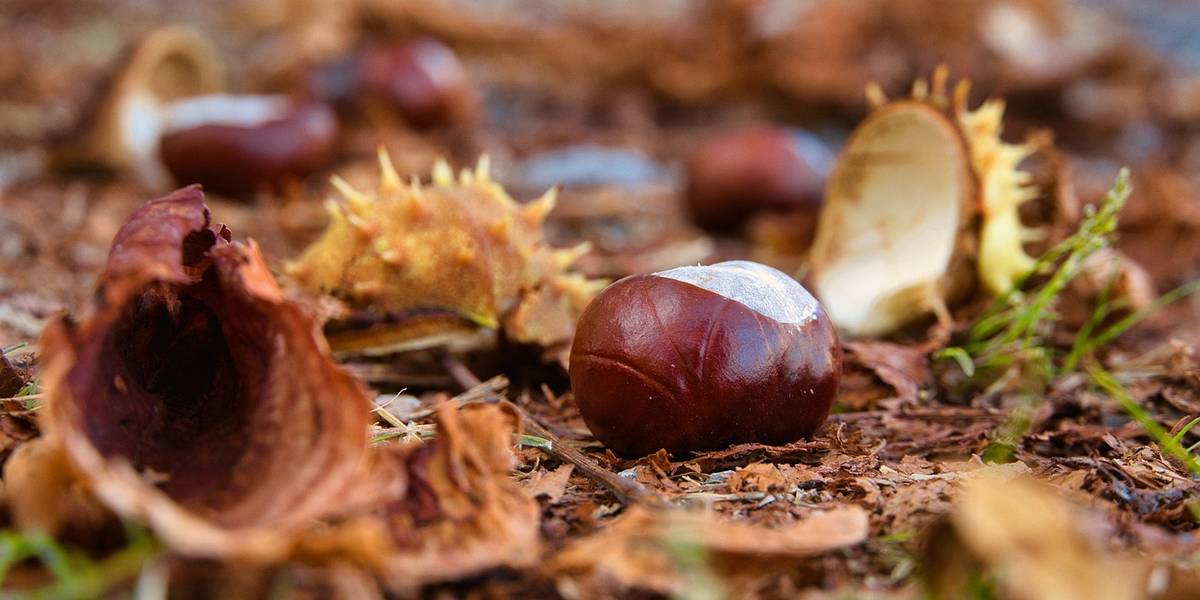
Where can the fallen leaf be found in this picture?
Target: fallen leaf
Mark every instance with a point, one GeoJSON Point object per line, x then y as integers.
{"type": "Point", "coordinates": [904, 368]}
{"type": "Point", "coordinates": [11, 380]}
{"type": "Point", "coordinates": [550, 485]}
{"type": "Point", "coordinates": [1033, 544]}
{"type": "Point", "coordinates": [44, 495]}
{"type": "Point", "coordinates": [757, 477]}
{"type": "Point", "coordinates": [640, 549]}
{"type": "Point", "coordinates": [460, 513]}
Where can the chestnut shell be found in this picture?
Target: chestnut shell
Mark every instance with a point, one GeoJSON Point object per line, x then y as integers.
{"type": "Point", "coordinates": [660, 363]}
{"type": "Point", "coordinates": [235, 159]}
{"type": "Point", "coordinates": [196, 398]}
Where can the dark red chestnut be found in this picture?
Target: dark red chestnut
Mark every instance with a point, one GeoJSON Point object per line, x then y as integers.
{"type": "Point", "coordinates": [697, 358]}
{"type": "Point", "coordinates": [735, 175]}
{"type": "Point", "coordinates": [421, 80]}
{"type": "Point", "coordinates": [233, 144]}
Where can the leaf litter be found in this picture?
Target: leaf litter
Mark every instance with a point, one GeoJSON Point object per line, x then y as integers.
{"type": "Point", "coordinates": [496, 488]}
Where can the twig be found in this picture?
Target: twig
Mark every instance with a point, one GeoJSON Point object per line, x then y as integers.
{"type": "Point", "coordinates": [485, 391]}
{"type": "Point", "coordinates": [627, 491]}
{"type": "Point", "coordinates": [459, 372]}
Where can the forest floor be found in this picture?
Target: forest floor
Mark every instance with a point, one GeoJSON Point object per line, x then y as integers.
{"type": "Point", "coordinates": [1041, 478]}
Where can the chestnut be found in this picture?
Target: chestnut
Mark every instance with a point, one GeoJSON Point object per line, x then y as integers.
{"type": "Point", "coordinates": [697, 358]}
{"type": "Point", "coordinates": [422, 80]}
{"type": "Point", "coordinates": [233, 144]}
{"type": "Point", "coordinates": [735, 175]}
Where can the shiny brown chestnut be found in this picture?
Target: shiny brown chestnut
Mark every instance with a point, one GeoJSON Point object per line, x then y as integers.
{"type": "Point", "coordinates": [422, 80]}
{"type": "Point", "coordinates": [234, 144]}
{"type": "Point", "coordinates": [735, 175]}
{"type": "Point", "coordinates": [696, 358]}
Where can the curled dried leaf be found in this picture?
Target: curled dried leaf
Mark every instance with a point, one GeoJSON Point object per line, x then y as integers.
{"type": "Point", "coordinates": [903, 367]}
{"type": "Point", "coordinates": [437, 511]}
{"type": "Point", "coordinates": [195, 397]}
{"type": "Point", "coordinates": [450, 509]}
{"type": "Point", "coordinates": [1109, 275]}
{"type": "Point", "coordinates": [11, 379]}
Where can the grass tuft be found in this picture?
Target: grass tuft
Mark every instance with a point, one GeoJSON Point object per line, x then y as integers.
{"type": "Point", "coordinates": [1171, 445]}
{"type": "Point", "coordinates": [75, 574]}
{"type": "Point", "coordinates": [1012, 330]}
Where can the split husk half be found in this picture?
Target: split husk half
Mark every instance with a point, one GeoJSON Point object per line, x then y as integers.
{"type": "Point", "coordinates": [922, 204]}
{"type": "Point", "coordinates": [121, 129]}
{"type": "Point", "coordinates": [195, 398]}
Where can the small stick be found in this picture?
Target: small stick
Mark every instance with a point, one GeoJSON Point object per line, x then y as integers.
{"type": "Point", "coordinates": [484, 391]}
{"type": "Point", "coordinates": [459, 372]}
{"type": "Point", "coordinates": [627, 491]}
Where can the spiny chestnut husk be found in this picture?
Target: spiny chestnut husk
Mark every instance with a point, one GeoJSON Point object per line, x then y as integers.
{"type": "Point", "coordinates": [696, 358]}
{"type": "Point", "coordinates": [195, 397]}
{"type": "Point", "coordinates": [415, 265]}
{"type": "Point", "coordinates": [923, 201]}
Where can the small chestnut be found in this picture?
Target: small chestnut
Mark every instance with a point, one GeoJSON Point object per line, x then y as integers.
{"type": "Point", "coordinates": [732, 176]}
{"type": "Point", "coordinates": [232, 144]}
{"type": "Point", "coordinates": [422, 80]}
{"type": "Point", "coordinates": [696, 358]}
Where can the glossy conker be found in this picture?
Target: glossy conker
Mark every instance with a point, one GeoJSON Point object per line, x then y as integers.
{"type": "Point", "coordinates": [697, 358]}
{"type": "Point", "coordinates": [422, 80]}
{"type": "Point", "coordinates": [234, 144]}
{"type": "Point", "coordinates": [735, 175]}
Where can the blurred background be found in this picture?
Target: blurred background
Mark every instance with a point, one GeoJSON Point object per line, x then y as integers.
{"type": "Point", "coordinates": [632, 108]}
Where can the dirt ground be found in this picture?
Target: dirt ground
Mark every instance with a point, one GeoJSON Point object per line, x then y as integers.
{"type": "Point", "coordinates": [922, 483]}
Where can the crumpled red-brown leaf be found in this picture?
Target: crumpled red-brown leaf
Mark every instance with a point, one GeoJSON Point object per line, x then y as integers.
{"type": "Point", "coordinates": [439, 510]}
{"type": "Point", "coordinates": [196, 398]}
{"type": "Point", "coordinates": [461, 513]}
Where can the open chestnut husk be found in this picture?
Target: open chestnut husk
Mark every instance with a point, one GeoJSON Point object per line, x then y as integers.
{"type": "Point", "coordinates": [697, 358]}
{"type": "Point", "coordinates": [733, 176]}
{"type": "Point", "coordinates": [234, 144]}
{"type": "Point", "coordinates": [120, 129]}
{"type": "Point", "coordinates": [922, 205]}
{"type": "Point", "coordinates": [196, 398]}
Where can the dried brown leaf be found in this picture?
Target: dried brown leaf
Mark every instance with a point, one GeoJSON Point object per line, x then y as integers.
{"type": "Point", "coordinates": [11, 380]}
{"type": "Point", "coordinates": [44, 495]}
{"type": "Point", "coordinates": [1032, 541]}
{"type": "Point", "coordinates": [635, 550]}
{"type": "Point", "coordinates": [550, 485]}
{"type": "Point", "coordinates": [460, 513]}
{"type": "Point", "coordinates": [905, 368]}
